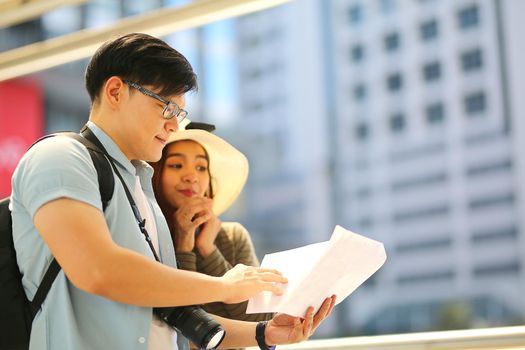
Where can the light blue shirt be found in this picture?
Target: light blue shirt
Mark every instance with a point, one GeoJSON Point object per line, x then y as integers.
{"type": "Point", "coordinates": [60, 167]}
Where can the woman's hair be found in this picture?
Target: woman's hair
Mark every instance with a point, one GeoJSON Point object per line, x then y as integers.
{"type": "Point", "coordinates": [142, 59]}
{"type": "Point", "coordinates": [158, 168]}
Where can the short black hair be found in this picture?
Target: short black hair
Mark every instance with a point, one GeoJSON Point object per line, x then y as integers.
{"type": "Point", "coordinates": [142, 59]}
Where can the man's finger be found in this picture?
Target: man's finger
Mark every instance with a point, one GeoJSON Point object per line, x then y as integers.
{"type": "Point", "coordinates": [272, 277]}
{"type": "Point", "coordinates": [275, 288]}
{"type": "Point", "coordinates": [261, 269]}
{"type": "Point", "coordinates": [323, 312]}
{"type": "Point", "coordinates": [308, 323]}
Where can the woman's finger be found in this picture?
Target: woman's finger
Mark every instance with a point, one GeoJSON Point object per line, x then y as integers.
{"type": "Point", "coordinates": [200, 220]}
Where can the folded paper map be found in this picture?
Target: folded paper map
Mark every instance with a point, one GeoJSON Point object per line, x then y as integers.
{"type": "Point", "coordinates": [318, 271]}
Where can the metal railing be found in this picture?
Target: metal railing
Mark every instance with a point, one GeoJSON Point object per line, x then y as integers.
{"type": "Point", "coordinates": [81, 44]}
{"type": "Point", "coordinates": [487, 338]}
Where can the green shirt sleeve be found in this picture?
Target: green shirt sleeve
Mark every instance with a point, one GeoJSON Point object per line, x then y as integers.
{"type": "Point", "coordinates": [234, 246]}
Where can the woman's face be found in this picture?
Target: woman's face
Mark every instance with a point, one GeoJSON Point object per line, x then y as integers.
{"type": "Point", "coordinates": [185, 173]}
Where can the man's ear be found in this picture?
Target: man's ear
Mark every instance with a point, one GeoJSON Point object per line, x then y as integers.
{"type": "Point", "coordinates": [113, 92]}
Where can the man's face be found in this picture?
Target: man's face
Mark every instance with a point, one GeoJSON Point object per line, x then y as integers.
{"type": "Point", "coordinates": [145, 128]}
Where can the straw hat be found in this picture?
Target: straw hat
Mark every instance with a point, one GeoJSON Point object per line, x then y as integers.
{"type": "Point", "coordinates": [228, 166]}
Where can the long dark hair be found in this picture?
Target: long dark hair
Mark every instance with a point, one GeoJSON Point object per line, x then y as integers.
{"type": "Point", "coordinates": [158, 170]}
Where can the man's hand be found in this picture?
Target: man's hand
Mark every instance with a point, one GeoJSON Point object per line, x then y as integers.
{"type": "Point", "coordinates": [243, 282]}
{"type": "Point", "coordinates": [286, 329]}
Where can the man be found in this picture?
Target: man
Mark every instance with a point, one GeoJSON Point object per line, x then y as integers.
{"type": "Point", "coordinates": [103, 297]}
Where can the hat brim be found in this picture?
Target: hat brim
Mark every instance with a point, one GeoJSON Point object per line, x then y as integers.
{"type": "Point", "coordinates": [228, 166]}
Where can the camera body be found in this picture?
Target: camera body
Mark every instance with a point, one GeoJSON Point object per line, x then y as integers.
{"type": "Point", "coordinates": [194, 323]}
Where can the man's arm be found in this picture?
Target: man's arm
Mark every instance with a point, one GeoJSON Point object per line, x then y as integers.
{"type": "Point", "coordinates": [78, 237]}
{"type": "Point", "coordinates": [281, 329]}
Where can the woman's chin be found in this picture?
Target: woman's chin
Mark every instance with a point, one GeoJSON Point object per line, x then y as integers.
{"type": "Point", "coordinates": [179, 201]}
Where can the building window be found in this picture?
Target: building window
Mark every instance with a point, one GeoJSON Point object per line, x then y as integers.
{"type": "Point", "coordinates": [357, 53]}
{"type": "Point", "coordinates": [363, 192]}
{"type": "Point", "coordinates": [432, 71]}
{"type": "Point", "coordinates": [428, 30]}
{"type": "Point", "coordinates": [437, 276]}
{"type": "Point", "coordinates": [490, 168]}
{"type": "Point", "coordinates": [394, 82]}
{"type": "Point", "coordinates": [251, 42]}
{"type": "Point", "coordinates": [483, 203]}
{"type": "Point", "coordinates": [491, 236]}
{"type": "Point", "coordinates": [468, 17]}
{"type": "Point", "coordinates": [365, 223]}
{"type": "Point", "coordinates": [424, 245]}
{"type": "Point", "coordinates": [355, 14]}
{"type": "Point", "coordinates": [410, 184]}
{"type": "Point", "coordinates": [254, 73]}
{"type": "Point", "coordinates": [392, 42]}
{"type": "Point", "coordinates": [435, 113]}
{"type": "Point", "coordinates": [497, 269]}
{"type": "Point", "coordinates": [397, 122]}
{"type": "Point", "coordinates": [421, 213]}
{"type": "Point", "coordinates": [418, 152]}
{"type": "Point", "coordinates": [255, 107]}
{"type": "Point", "coordinates": [387, 5]}
{"type": "Point", "coordinates": [362, 131]}
{"type": "Point", "coordinates": [360, 92]}
{"type": "Point", "coordinates": [471, 60]}
{"type": "Point", "coordinates": [475, 103]}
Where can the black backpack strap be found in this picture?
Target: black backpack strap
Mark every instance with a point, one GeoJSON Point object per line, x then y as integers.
{"type": "Point", "coordinates": [106, 184]}
{"type": "Point", "coordinates": [88, 134]}
{"type": "Point", "coordinates": [106, 181]}
{"type": "Point", "coordinates": [45, 286]}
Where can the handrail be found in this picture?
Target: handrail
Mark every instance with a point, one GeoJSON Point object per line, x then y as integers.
{"type": "Point", "coordinates": [81, 44]}
{"type": "Point", "coordinates": [15, 12]}
{"type": "Point", "coordinates": [500, 338]}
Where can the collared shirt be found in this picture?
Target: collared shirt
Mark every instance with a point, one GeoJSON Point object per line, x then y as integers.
{"type": "Point", "coordinates": [60, 167]}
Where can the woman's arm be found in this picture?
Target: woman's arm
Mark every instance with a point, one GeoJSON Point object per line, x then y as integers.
{"type": "Point", "coordinates": [233, 244]}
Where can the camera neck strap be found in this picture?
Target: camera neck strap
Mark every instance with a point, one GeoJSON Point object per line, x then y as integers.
{"type": "Point", "coordinates": [88, 134]}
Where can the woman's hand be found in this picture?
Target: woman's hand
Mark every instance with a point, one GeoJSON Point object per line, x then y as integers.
{"type": "Point", "coordinates": [243, 282]}
{"type": "Point", "coordinates": [205, 241]}
{"type": "Point", "coordinates": [187, 218]}
{"type": "Point", "coordinates": [286, 329]}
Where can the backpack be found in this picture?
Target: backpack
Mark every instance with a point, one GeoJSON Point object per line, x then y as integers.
{"type": "Point", "coordinates": [17, 312]}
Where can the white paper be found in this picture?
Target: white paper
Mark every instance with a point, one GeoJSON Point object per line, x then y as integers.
{"type": "Point", "coordinates": [317, 271]}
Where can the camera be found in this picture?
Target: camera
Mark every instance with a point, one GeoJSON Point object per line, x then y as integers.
{"type": "Point", "coordinates": [194, 323]}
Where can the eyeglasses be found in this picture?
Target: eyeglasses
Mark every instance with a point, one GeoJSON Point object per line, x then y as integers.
{"type": "Point", "coordinates": [171, 110]}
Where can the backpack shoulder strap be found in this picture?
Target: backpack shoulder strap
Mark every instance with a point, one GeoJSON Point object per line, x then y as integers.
{"type": "Point", "coordinates": [106, 181]}
{"type": "Point", "coordinates": [106, 184]}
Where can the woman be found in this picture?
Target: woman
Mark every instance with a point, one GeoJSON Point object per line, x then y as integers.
{"type": "Point", "coordinates": [198, 177]}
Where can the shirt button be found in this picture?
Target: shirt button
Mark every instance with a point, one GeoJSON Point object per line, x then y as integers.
{"type": "Point", "coordinates": [142, 340]}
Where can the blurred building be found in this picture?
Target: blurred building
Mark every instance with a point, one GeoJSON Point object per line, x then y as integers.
{"type": "Point", "coordinates": [282, 125]}
{"type": "Point", "coordinates": [398, 119]}
{"type": "Point", "coordinates": [398, 116]}
{"type": "Point", "coordinates": [426, 160]}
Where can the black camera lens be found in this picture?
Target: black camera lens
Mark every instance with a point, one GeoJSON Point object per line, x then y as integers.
{"type": "Point", "coordinates": [194, 323]}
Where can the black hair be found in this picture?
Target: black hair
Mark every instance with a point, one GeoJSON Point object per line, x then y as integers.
{"type": "Point", "coordinates": [142, 59]}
